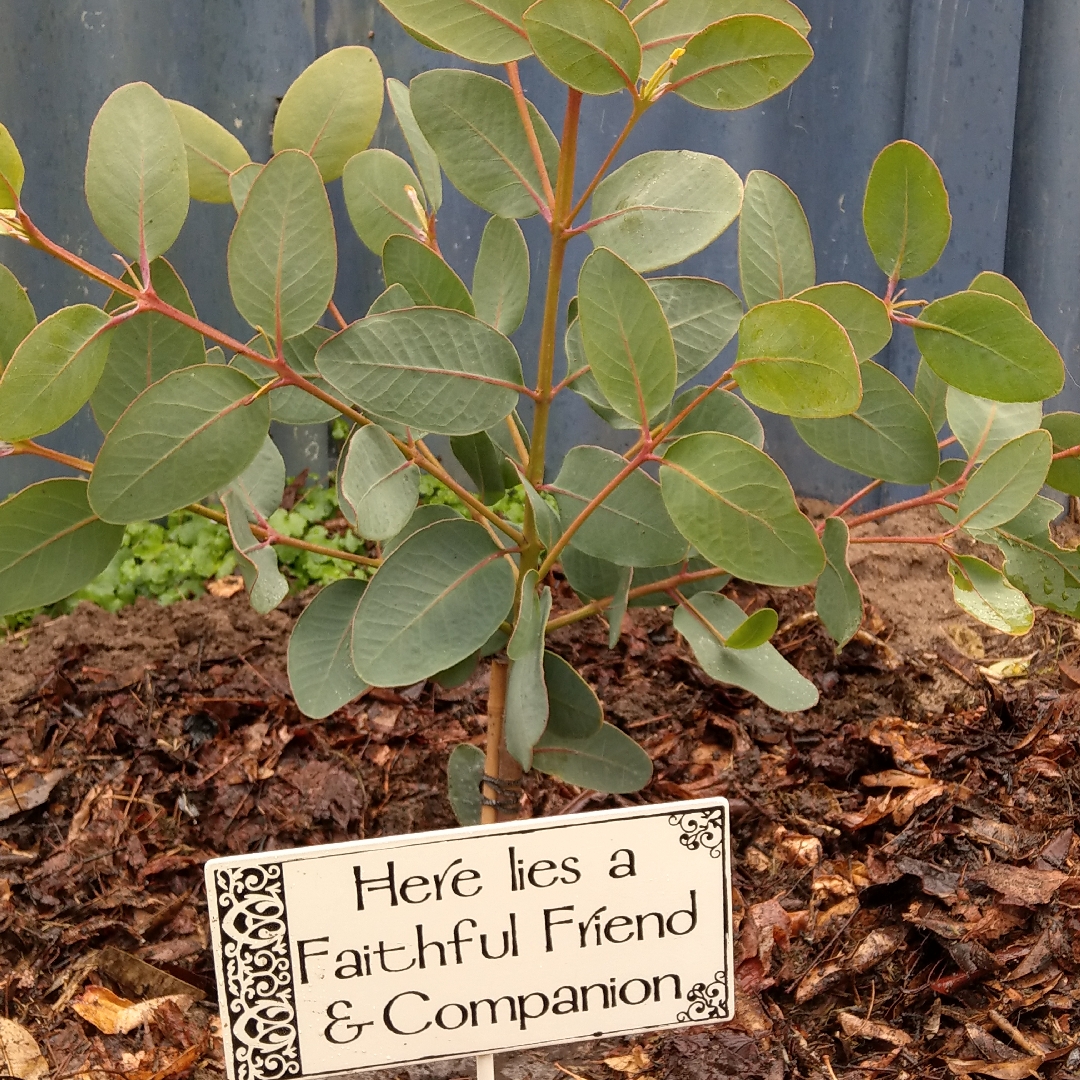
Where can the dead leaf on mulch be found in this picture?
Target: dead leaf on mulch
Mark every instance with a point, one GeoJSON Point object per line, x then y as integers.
{"type": "Point", "coordinates": [115, 1015]}
{"type": "Point", "coordinates": [1018, 884]}
{"type": "Point", "coordinates": [1004, 1070]}
{"type": "Point", "coordinates": [858, 1028]}
{"type": "Point", "coordinates": [28, 792]}
{"type": "Point", "coordinates": [633, 1064]}
{"type": "Point", "coordinates": [20, 1054]}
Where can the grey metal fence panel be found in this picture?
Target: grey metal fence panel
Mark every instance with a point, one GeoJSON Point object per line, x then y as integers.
{"type": "Point", "coordinates": [942, 72]}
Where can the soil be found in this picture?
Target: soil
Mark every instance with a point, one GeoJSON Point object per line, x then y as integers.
{"type": "Point", "coordinates": [907, 862]}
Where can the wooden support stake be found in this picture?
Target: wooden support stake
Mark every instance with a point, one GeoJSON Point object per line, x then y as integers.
{"type": "Point", "coordinates": [497, 762]}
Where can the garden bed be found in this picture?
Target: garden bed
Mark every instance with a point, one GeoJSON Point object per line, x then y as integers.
{"type": "Point", "coordinates": [907, 862]}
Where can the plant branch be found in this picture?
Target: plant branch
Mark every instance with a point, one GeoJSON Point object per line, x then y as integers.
{"type": "Point", "coordinates": [931, 498]}
{"type": "Point", "coordinates": [648, 11]}
{"type": "Point", "coordinates": [530, 133]}
{"type": "Point", "coordinates": [934, 541]}
{"type": "Point", "coordinates": [27, 446]}
{"type": "Point", "coordinates": [662, 431]}
{"type": "Point", "coordinates": [1073, 451]}
{"type": "Point", "coordinates": [337, 316]}
{"type": "Point", "coordinates": [844, 507]}
{"type": "Point", "coordinates": [638, 111]}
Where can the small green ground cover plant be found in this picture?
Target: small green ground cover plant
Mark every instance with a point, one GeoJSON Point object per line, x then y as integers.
{"type": "Point", "coordinates": [186, 408]}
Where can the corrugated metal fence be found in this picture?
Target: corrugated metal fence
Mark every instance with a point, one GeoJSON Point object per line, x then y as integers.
{"type": "Point", "coordinates": [991, 88]}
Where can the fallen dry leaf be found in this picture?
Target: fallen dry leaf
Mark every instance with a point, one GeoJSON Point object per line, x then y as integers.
{"type": "Point", "coordinates": [225, 587]}
{"type": "Point", "coordinates": [895, 778]}
{"type": "Point", "coordinates": [819, 979]}
{"type": "Point", "coordinates": [27, 792]}
{"type": "Point", "coordinates": [876, 946]}
{"type": "Point", "coordinates": [1019, 884]}
{"type": "Point", "coordinates": [796, 849]}
{"type": "Point", "coordinates": [858, 1028]}
{"type": "Point", "coordinates": [20, 1055]}
{"type": "Point", "coordinates": [1013, 667]}
{"type": "Point", "coordinates": [633, 1064]}
{"type": "Point", "coordinates": [115, 1015]}
{"type": "Point", "coordinates": [1003, 1070]}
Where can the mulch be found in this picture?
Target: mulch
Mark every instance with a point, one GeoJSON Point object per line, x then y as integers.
{"type": "Point", "coordinates": [907, 862]}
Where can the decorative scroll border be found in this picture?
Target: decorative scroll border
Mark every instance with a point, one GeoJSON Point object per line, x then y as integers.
{"type": "Point", "coordinates": [260, 1004]}
{"type": "Point", "coordinates": [707, 1001]}
{"type": "Point", "coordinates": [702, 829]}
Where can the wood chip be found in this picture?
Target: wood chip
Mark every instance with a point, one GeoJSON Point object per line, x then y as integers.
{"type": "Point", "coordinates": [858, 1028]}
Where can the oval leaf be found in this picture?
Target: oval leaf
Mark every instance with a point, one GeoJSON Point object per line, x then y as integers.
{"type": "Point", "coordinates": [53, 372]}
{"type": "Point", "coordinates": [720, 411]}
{"type": "Point", "coordinates": [484, 31]}
{"type": "Point", "coordinates": [985, 345]}
{"type": "Point", "coordinates": [424, 275]}
{"type": "Point", "coordinates": [17, 317]}
{"type": "Point", "coordinates": [1064, 474]}
{"type": "Point", "coordinates": [574, 710]}
{"type": "Point", "coordinates": [180, 440]}
{"type": "Point", "coordinates": [587, 44]}
{"type": "Point", "coordinates": [1006, 482]}
{"type": "Point", "coordinates": [735, 505]}
{"type": "Point", "coordinates": [261, 486]}
{"type": "Point", "coordinates": [985, 595]}
{"type": "Point", "coordinates": [435, 370]}
{"type": "Point", "coordinates": [501, 276]}
{"type": "Point", "coordinates": [332, 109]}
{"type": "Point", "coordinates": [740, 61]}
{"type": "Point", "coordinates": [703, 316]}
{"type": "Point", "coordinates": [630, 527]}
{"type": "Point", "coordinates": [378, 484]}
{"type": "Point", "coordinates": [136, 172]}
{"type": "Point", "coordinates": [862, 314]}
{"type": "Point", "coordinates": [608, 761]}
{"type": "Point", "coordinates": [526, 692]}
{"type": "Point", "coordinates": [627, 341]}
{"type": "Point", "coordinates": [930, 393]}
{"type": "Point", "coordinates": [838, 598]}
{"type": "Point", "coordinates": [982, 426]}
{"type": "Point", "coordinates": [292, 404]}
{"type": "Point", "coordinates": [145, 348]}
{"type": "Point", "coordinates": [51, 544]}
{"type": "Point", "coordinates": [240, 183]}
{"type": "Point", "coordinates": [888, 437]}
{"type": "Point", "coordinates": [1000, 285]}
{"type": "Point", "coordinates": [213, 153]}
{"type": "Point", "coordinates": [396, 298]}
{"type": "Point", "coordinates": [283, 253]}
{"type": "Point", "coordinates": [464, 772]}
{"type": "Point", "coordinates": [258, 562]}
{"type": "Point", "coordinates": [424, 515]}
{"type": "Point", "coordinates": [762, 671]}
{"type": "Point", "coordinates": [776, 254]}
{"type": "Point", "coordinates": [483, 461]}
{"type": "Point", "coordinates": [472, 122]}
{"type": "Point", "coordinates": [664, 206]}
{"type": "Point", "coordinates": [795, 359]}
{"type": "Point", "coordinates": [434, 601]}
{"type": "Point", "coordinates": [755, 631]}
{"type": "Point", "coordinates": [906, 211]}
{"type": "Point", "coordinates": [12, 171]}
{"type": "Point", "coordinates": [427, 163]}
{"type": "Point", "coordinates": [374, 185]}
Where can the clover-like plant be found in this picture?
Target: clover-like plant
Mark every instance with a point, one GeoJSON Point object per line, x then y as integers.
{"type": "Point", "coordinates": [186, 409]}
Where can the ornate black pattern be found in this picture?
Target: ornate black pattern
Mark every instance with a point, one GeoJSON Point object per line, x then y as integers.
{"type": "Point", "coordinates": [707, 1001]}
{"type": "Point", "coordinates": [261, 1007]}
{"type": "Point", "coordinates": [701, 829]}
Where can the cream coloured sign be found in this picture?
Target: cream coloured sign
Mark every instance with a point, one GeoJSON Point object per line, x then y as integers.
{"type": "Point", "coordinates": [471, 941]}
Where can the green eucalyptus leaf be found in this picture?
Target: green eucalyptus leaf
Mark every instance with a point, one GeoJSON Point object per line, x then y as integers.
{"type": "Point", "coordinates": [213, 153]}
{"type": "Point", "coordinates": [424, 157]}
{"type": "Point", "coordinates": [12, 171]}
{"type": "Point", "coordinates": [985, 595]}
{"type": "Point", "coordinates": [146, 348]}
{"type": "Point", "coordinates": [776, 253]}
{"type": "Point", "coordinates": [473, 124]}
{"type": "Point", "coordinates": [703, 316]}
{"type": "Point", "coordinates": [862, 314]}
{"type": "Point", "coordinates": [1006, 482]}
{"type": "Point", "coordinates": [795, 359]}
{"type": "Point", "coordinates": [1064, 474]}
{"type": "Point", "coordinates": [546, 517]}
{"type": "Point", "coordinates": [985, 345]}
{"type": "Point", "coordinates": [136, 172]}
{"type": "Point", "coordinates": [906, 211]}
{"type": "Point", "coordinates": [630, 527]}
{"type": "Point", "coordinates": [377, 483]}
{"type": "Point", "coordinates": [755, 631]}
{"type": "Point", "coordinates": [484, 31]}
{"type": "Point", "coordinates": [422, 517]}
{"type": "Point", "coordinates": [664, 206]}
{"type": "Point", "coordinates": [888, 437]}
{"type": "Point", "coordinates": [181, 439]}
{"type": "Point", "coordinates": [457, 674]}
{"type": "Point", "coordinates": [574, 710]}
{"type": "Point", "coordinates": [1000, 285]}
{"type": "Point", "coordinates": [1047, 573]}
{"type": "Point", "coordinates": [426, 277]}
{"type": "Point", "coordinates": [240, 183]}
{"type": "Point", "coordinates": [260, 487]}
{"type": "Point", "coordinates": [526, 692]}
{"type": "Point", "coordinates": [620, 599]}
{"type": "Point", "coordinates": [838, 599]}
{"type": "Point", "coordinates": [51, 544]}
{"type": "Point", "coordinates": [265, 584]}
{"type": "Point", "coordinates": [501, 275]}
{"type": "Point", "coordinates": [17, 317]}
{"type": "Point", "coordinates": [930, 393]}
{"type": "Point", "coordinates": [53, 372]}
{"type": "Point", "coordinates": [607, 761]}
{"type": "Point", "coordinates": [464, 772]}
{"type": "Point", "coordinates": [736, 506]}
{"type": "Point", "coordinates": [478, 455]}
{"type": "Point", "coordinates": [627, 340]}
{"type": "Point", "coordinates": [720, 411]}
{"type": "Point", "coordinates": [672, 24]}
{"type": "Point", "coordinates": [292, 404]}
{"type": "Point", "coordinates": [332, 109]}
{"type": "Point", "coordinates": [982, 426]}
{"type": "Point", "coordinates": [395, 298]}
{"type": "Point", "coordinates": [374, 185]}
{"type": "Point", "coordinates": [587, 44]}
{"type": "Point", "coordinates": [432, 369]}
{"type": "Point", "coordinates": [740, 61]}
{"type": "Point", "coordinates": [321, 674]}
{"type": "Point", "coordinates": [283, 252]}
{"type": "Point", "coordinates": [584, 383]}
{"type": "Point", "coordinates": [436, 599]}
{"type": "Point", "coordinates": [762, 670]}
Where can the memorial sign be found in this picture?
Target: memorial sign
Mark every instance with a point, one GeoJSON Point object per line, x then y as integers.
{"type": "Point", "coordinates": [470, 941]}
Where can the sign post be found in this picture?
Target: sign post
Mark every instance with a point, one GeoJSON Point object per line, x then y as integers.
{"type": "Point", "coordinates": [473, 941]}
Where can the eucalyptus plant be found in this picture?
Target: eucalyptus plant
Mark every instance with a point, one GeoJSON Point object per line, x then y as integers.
{"type": "Point", "coordinates": [185, 409]}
